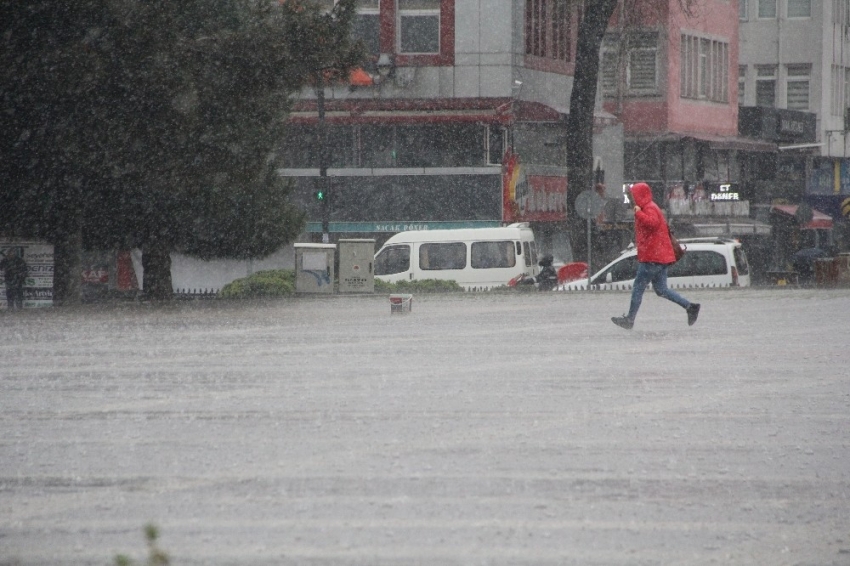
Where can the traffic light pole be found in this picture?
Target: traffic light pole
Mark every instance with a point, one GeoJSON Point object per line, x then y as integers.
{"type": "Point", "coordinates": [323, 159]}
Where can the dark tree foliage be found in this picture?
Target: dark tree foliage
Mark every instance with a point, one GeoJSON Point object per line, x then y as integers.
{"type": "Point", "coordinates": [155, 123]}
{"type": "Point", "coordinates": [46, 164]}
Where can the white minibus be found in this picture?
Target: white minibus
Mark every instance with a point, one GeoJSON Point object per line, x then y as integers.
{"type": "Point", "coordinates": [476, 258]}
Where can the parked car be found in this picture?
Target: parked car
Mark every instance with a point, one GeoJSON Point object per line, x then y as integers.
{"type": "Point", "coordinates": [708, 262]}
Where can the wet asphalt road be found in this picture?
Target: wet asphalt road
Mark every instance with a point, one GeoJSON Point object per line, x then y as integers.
{"type": "Point", "coordinates": [477, 429]}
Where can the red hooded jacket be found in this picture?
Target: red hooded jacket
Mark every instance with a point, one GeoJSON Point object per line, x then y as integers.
{"type": "Point", "coordinates": [651, 235]}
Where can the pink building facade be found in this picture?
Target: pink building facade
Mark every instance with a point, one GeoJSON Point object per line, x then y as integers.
{"type": "Point", "coordinates": [671, 78]}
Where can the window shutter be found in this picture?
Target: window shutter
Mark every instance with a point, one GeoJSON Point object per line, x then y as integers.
{"type": "Point", "coordinates": [642, 69]}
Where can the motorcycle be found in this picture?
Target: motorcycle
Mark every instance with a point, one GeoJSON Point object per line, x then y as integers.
{"type": "Point", "coordinates": [546, 280]}
{"type": "Point", "coordinates": [549, 278]}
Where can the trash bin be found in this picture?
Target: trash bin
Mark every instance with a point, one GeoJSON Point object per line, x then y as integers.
{"type": "Point", "coordinates": [826, 272]}
{"type": "Point", "coordinates": [356, 259]}
{"type": "Point", "coordinates": [314, 268]}
{"type": "Point", "coordinates": [843, 262]}
{"type": "Point", "coordinates": [401, 303]}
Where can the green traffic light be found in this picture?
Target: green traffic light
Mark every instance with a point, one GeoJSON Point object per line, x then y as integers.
{"type": "Point", "coordinates": [320, 195]}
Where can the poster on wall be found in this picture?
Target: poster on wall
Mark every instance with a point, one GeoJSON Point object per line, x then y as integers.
{"type": "Point", "coordinates": [821, 179]}
{"type": "Point", "coordinates": [829, 177]}
{"type": "Point", "coordinates": [38, 288]}
{"type": "Point", "coordinates": [528, 197]}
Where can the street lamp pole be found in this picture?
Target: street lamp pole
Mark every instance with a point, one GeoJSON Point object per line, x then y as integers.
{"type": "Point", "coordinates": [323, 158]}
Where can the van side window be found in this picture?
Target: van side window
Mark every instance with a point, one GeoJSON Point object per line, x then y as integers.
{"type": "Point", "coordinates": [526, 251]}
{"type": "Point", "coordinates": [442, 256]}
{"type": "Point", "coordinates": [490, 255]}
{"type": "Point", "coordinates": [394, 259]}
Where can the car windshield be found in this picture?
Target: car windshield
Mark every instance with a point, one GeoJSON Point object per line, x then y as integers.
{"type": "Point", "coordinates": [392, 259]}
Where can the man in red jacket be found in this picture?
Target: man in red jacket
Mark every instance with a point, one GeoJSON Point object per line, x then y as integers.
{"type": "Point", "coordinates": [654, 254]}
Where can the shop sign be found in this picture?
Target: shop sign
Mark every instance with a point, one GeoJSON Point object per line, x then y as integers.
{"type": "Point", "coordinates": [38, 286]}
{"type": "Point", "coordinates": [528, 197]}
{"type": "Point", "coordinates": [725, 192]}
{"type": "Point", "coordinates": [791, 126]}
{"type": "Point", "coordinates": [830, 177]}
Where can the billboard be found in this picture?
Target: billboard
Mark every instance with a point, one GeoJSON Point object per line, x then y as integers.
{"type": "Point", "coordinates": [38, 288]}
{"type": "Point", "coordinates": [531, 197]}
{"type": "Point", "coordinates": [829, 177]}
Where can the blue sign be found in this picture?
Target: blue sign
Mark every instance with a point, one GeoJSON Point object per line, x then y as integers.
{"type": "Point", "coordinates": [845, 177]}
{"type": "Point", "coordinates": [821, 182]}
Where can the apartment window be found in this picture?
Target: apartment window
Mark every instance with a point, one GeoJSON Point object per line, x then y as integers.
{"type": "Point", "coordinates": [561, 32]}
{"type": "Point", "coordinates": [766, 86]}
{"type": "Point", "coordinates": [742, 10]}
{"type": "Point", "coordinates": [610, 64]}
{"type": "Point", "coordinates": [846, 84]}
{"type": "Point", "coordinates": [642, 69]}
{"type": "Point", "coordinates": [841, 13]}
{"type": "Point", "coordinates": [418, 27]}
{"type": "Point", "coordinates": [704, 69]}
{"type": "Point", "coordinates": [799, 8]}
{"type": "Point", "coordinates": [742, 85]}
{"type": "Point", "coordinates": [797, 87]}
{"type": "Point", "coordinates": [497, 144]}
{"type": "Point", "coordinates": [367, 27]}
{"type": "Point", "coordinates": [836, 91]}
{"type": "Point", "coordinates": [418, 31]}
{"type": "Point", "coordinates": [549, 29]}
{"type": "Point", "coordinates": [767, 8]}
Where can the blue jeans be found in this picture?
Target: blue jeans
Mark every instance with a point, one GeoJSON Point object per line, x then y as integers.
{"type": "Point", "coordinates": [656, 274]}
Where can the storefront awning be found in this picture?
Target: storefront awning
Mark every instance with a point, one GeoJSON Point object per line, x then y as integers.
{"type": "Point", "coordinates": [496, 110]}
{"type": "Point", "coordinates": [714, 141]}
{"type": "Point", "coordinates": [725, 227]}
{"type": "Point", "coordinates": [819, 219]}
{"type": "Point", "coordinates": [408, 111]}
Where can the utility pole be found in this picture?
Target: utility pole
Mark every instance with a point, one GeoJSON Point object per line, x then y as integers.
{"type": "Point", "coordinates": [323, 193]}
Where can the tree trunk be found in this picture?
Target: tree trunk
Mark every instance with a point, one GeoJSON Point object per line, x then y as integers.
{"type": "Point", "coordinates": [67, 261]}
{"type": "Point", "coordinates": [582, 104]}
{"type": "Point", "coordinates": [156, 264]}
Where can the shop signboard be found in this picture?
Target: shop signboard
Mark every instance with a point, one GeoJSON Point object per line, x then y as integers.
{"type": "Point", "coordinates": [38, 288]}
{"type": "Point", "coordinates": [530, 195]}
{"type": "Point", "coordinates": [830, 177]}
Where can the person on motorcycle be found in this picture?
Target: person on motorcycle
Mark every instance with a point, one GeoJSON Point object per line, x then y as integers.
{"type": "Point", "coordinates": [547, 279]}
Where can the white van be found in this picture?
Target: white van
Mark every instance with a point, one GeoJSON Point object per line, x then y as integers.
{"type": "Point", "coordinates": [708, 262]}
{"type": "Point", "coordinates": [476, 258]}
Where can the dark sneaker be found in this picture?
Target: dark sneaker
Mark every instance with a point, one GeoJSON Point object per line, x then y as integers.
{"type": "Point", "coordinates": [693, 313]}
{"type": "Point", "coordinates": [623, 322]}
